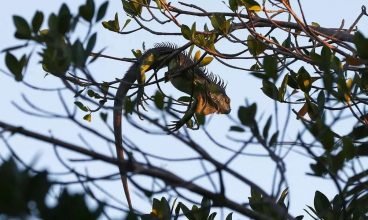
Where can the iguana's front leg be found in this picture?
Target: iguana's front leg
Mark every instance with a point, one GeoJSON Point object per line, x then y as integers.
{"type": "Point", "coordinates": [140, 92]}
{"type": "Point", "coordinates": [141, 78]}
{"type": "Point", "coordinates": [187, 116]}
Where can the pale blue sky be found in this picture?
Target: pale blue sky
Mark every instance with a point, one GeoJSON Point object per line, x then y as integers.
{"type": "Point", "coordinates": [325, 12]}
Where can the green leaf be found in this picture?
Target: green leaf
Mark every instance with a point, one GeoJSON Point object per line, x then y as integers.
{"type": "Point", "coordinates": [205, 208]}
{"type": "Point", "coordinates": [79, 55]}
{"type": "Point", "coordinates": [126, 23]}
{"type": "Point", "coordinates": [220, 23]}
{"type": "Point", "coordinates": [282, 89]}
{"type": "Point", "coordinates": [112, 25]}
{"type": "Point", "coordinates": [20, 187]}
{"type": "Point", "coordinates": [159, 3]}
{"type": "Point", "coordinates": [247, 114]}
{"type": "Point", "coordinates": [321, 204]}
{"type": "Point", "coordinates": [23, 31]}
{"type": "Point", "coordinates": [128, 106]}
{"type": "Point", "coordinates": [159, 100]}
{"type": "Point", "coordinates": [273, 139]}
{"type": "Point", "coordinates": [361, 44]}
{"type": "Point", "coordinates": [323, 133]}
{"type": "Point", "coordinates": [270, 67]}
{"type": "Point", "coordinates": [67, 205]}
{"type": "Point", "coordinates": [255, 67]}
{"type": "Point", "coordinates": [229, 216]}
{"type": "Point", "coordinates": [91, 43]}
{"type": "Point", "coordinates": [359, 132]}
{"type": "Point", "coordinates": [217, 20]}
{"type": "Point", "coordinates": [282, 198]}
{"type": "Point", "coordinates": [326, 54]}
{"type": "Point", "coordinates": [270, 89]}
{"type": "Point", "coordinates": [193, 30]}
{"type": "Point", "coordinates": [186, 32]}
{"type": "Point", "coordinates": [161, 208]}
{"type": "Point", "coordinates": [81, 106]}
{"type": "Point", "coordinates": [233, 5]}
{"type": "Point", "coordinates": [116, 23]}
{"type": "Point", "coordinates": [337, 203]}
{"type": "Point", "coordinates": [312, 109]}
{"type": "Point", "coordinates": [137, 53]}
{"type": "Point", "coordinates": [186, 211]}
{"type": "Point", "coordinates": [251, 5]}
{"type": "Point", "coordinates": [287, 42]}
{"type": "Point", "coordinates": [255, 46]}
{"type": "Point", "coordinates": [267, 127]}
{"type": "Point", "coordinates": [133, 8]}
{"type": "Point", "coordinates": [132, 216]}
{"type": "Point", "coordinates": [348, 147]}
{"type": "Point", "coordinates": [62, 22]}
{"type": "Point", "coordinates": [77, 94]}
{"type": "Point", "coordinates": [315, 24]}
{"type": "Point", "coordinates": [237, 129]}
{"type": "Point", "coordinates": [91, 93]}
{"type": "Point", "coordinates": [321, 102]}
{"type": "Point", "coordinates": [14, 66]}
{"type": "Point", "coordinates": [102, 11]}
{"type": "Point", "coordinates": [259, 75]}
{"type": "Point", "coordinates": [197, 55]}
{"type": "Point", "coordinates": [87, 10]}
{"type": "Point", "coordinates": [255, 200]}
{"type": "Point", "coordinates": [212, 216]}
{"type": "Point", "coordinates": [304, 80]}
{"type": "Point", "coordinates": [105, 87]}
{"type": "Point", "coordinates": [292, 80]}
{"type": "Point", "coordinates": [88, 117]}
{"type": "Point", "coordinates": [56, 60]}
{"type": "Point", "coordinates": [103, 116]}
{"type": "Point", "coordinates": [205, 61]}
{"type": "Point", "coordinates": [363, 81]}
{"type": "Point", "coordinates": [37, 21]}
{"type": "Point", "coordinates": [177, 211]}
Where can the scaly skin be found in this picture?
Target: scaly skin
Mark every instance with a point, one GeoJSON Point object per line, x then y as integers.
{"type": "Point", "coordinates": [206, 89]}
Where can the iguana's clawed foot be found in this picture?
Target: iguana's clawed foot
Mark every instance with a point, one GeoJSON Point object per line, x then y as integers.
{"type": "Point", "coordinates": [140, 102]}
{"type": "Point", "coordinates": [175, 126]}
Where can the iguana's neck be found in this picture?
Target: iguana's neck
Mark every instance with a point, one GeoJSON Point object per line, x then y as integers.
{"type": "Point", "coordinates": [203, 106]}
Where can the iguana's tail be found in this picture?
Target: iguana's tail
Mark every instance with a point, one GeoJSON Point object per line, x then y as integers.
{"type": "Point", "coordinates": [129, 78]}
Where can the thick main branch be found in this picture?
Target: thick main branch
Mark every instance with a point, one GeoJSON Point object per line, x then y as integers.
{"type": "Point", "coordinates": [139, 168]}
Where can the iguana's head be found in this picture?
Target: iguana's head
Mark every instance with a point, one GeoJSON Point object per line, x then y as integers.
{"type": "Point", "coordinates": [213, 99]}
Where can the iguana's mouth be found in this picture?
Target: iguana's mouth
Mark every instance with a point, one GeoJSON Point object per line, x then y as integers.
{"type": "Point", "coordinates": [225, 111]}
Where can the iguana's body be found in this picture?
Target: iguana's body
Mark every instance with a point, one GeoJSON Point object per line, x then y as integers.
{"type": "Point", "coordinates": [207, 90]}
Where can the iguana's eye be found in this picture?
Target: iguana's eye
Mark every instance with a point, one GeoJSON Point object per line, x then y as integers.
{"type": "Point", "coordinates": [227, 100]}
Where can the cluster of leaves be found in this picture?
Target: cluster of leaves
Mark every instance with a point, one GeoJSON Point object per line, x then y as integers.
{"type": "Point", "coordinates": [59, 54]}
{"type": "Point", "coordinates": [267, 208]}
{"type": "Point", "coordinates": [247, 117]}
{"type": "Point", "coordinates": [203, 39]}
{"type": "Point", "coordinates": [23, 195]}
{"type": "Point", "coordinates": [335, 84]}
{"type": "Point", "coordinates": [332, 84]}
{"type": "Point", "coordinates": [338, 208]}
{"type": "Point", "coordinates": [161, 210]}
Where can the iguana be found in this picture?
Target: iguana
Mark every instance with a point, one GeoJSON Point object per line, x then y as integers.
{"type": "Point", "coordinates": [206, 89]}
